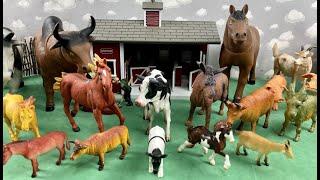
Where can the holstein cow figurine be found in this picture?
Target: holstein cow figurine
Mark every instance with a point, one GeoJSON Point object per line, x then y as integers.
{"type": "Point", "coordinates": [95, 94]}
{"type": "Point", "coordinates": [155, 97]}
{"type": "Point", "coordinates": [60, 51]}
{"type": "Point", "coordinates": [156, 147]}
{"type": "Point", "coordinates": [215, 140]}
{"type": "Point", "coordinates": [31, 149]}
{"type": "Point", "coordinates": [209, 86]}
{"type": "Point", "coordinates": [12, 61]}
{"type": "Point", "coordinates": [20, 115]}
{"type": "Point", "coordinates": [301, 107]}
{"type": "Point", "coordinates": [240, 47]}
{"type": "Point", "coordinates": [263, 146]}
{"type": "Point", "coordinates": [100, 143]}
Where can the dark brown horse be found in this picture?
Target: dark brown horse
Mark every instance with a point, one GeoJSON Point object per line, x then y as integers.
{"type": "Point", "coordinates": [31, 149]}
{"type": "Point", "coordinates": [240, 47]}
{"type": "Point", "coordinates": [95, 94]}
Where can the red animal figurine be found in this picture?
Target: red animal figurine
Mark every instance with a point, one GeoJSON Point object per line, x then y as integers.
{"type": "Point", "coordinates": [95, 94]}
{"type": "Point", "coordinates": [209, 86]}
{"type": "Point", "coordinates": [240, 47]}
{"type": "Point", "coordinates": [59, 51]}
{"type": "Point", "coordinates": [31, 149]}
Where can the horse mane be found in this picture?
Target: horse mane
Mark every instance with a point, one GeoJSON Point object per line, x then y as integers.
{"type": "Point", "coordinates": [238, 15]}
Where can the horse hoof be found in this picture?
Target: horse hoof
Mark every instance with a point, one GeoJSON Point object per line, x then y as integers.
{"type": "Point", "coordinates": [49, 108]}
{"type": "Point", "coordinates": [73, 113]}
{"type": "Point", "coordinates": [33, 175]}
{"type": "Point", "coordinates": [251, 82]}
{"type": "Point", "coordinates": [167, 139]}
{"type": "Point", "coordinates": [147, 132]}
{"type": "Point", "coordinates": [100, 168]}
{"type": "Point", "coordinates": [267, 164]}
{"type": "Point", "coordinates": [265, 126]}
{"type": "Point", "coordinates": [21, 84]}
{"type": "Point", "coordinates": [236, 100]}
{"type": "Point", "coordinates": [121, 157]}
{"type": "Point", "coordinates": [77, 129]}
{"type": "Point", "coordinates": [58, 163]}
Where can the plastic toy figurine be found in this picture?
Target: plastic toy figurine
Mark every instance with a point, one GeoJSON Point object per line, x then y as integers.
{"type": "Point", "coordinates": [125, 86]}
{"type": "Point", "coordinates": [215, 140]}
{"type": "Point", "coordinates": [60, 51]}
{"type": "Point", "coordinates": [209, 86]}
{"type": "Point", "coordinates": [156, 147]}
{"type": "Point", "coordinates": [311, 83]}
{"type": "Point", "coordinates": [240, 47]}
{"type": "Point", "coordinates": [31, 149]}
{"type": "Point", "coordinates": [155, 97]}
{"type": "Point", "coordinates": [95, 93]}
{"type": "Point", "coordinates": [286, 64]}
{"type": "Point", "coordinates": [100, 143]}
{"type": "Point", "coordinates": [263, 146]}
{"type": "Point", "coordinates": [301, 107]}
{"type": "Point", "coordinates": [12, 62]}
{"type": "Point", "coordinates": [20, 115]}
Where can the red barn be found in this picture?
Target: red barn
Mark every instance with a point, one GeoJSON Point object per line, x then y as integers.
{"type": "Point", "coordinates": [136, 46]}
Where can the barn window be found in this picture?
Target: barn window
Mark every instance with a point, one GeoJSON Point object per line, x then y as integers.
{"type": "Point", "coordinates": [112, 65]}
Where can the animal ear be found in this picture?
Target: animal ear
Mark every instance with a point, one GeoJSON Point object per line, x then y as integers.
{"type": "Point", "coordinates": [231, 9]}
{"type": "Point", "coordinates": [104, 60]}
{"type": "Point", "coordinates": [288, 142]}
{"type": "Point", "coordinates": [286, 146]}
{"type": "Point", "coordinates": [202, 67]}
{"type": "Point", "coordinates": [220, 70]}
{"type": "Point", "coordinates": [275, 50]}
{"type": "Point", "coordinates": [302, 48]}
{"type": "Point", "coordinates": [164, 155]}
{"type": "Point", "coordinates": [240, 106]}
{"type": "Point", "coordinates": [56, 45]}
{"type": "Point", "coordinates": [245, 9]}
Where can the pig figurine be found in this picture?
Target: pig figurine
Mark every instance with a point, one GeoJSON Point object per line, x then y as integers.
{"type": "Point", "coordinates": [100, 143]}
{"type": "Point", "coordinates": [300, 107]}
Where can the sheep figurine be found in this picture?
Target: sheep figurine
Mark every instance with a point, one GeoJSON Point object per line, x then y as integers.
{"type": "Point", "coordinates": [263, 146]}
{"type": "Point", "coordinates": [156, 150]}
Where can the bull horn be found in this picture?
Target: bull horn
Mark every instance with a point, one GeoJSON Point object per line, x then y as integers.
{"type": "Point", "coordinates": [140, 77]}
{"type": "Point", "coordinates": [57, 35]}
{"type": "Point", "coordinates": [217, 71]}
{"type": "Point", "coordinates": [302, 48]}
{"type": "Point", "coordinates": [87, 31]}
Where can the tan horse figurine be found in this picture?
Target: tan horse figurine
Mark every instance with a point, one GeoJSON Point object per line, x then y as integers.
{"type": "Point", "coordinates": [95, 94]}
{"type": "Point", "coordinates": [20, 115]}
{"type": "Point", "coordinates": [240, 47]}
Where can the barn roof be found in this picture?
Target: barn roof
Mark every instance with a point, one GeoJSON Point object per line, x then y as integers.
{"type": "Point", "coordinates": [194, 32]}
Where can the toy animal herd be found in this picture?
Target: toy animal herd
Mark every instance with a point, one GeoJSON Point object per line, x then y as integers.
{"type": "Point", "coordinates": [66, 54]}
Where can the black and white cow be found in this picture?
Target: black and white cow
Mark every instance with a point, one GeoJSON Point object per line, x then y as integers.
{"type": "Point", "coordinates": [12, 61]}
{"type": "Point", "coordinates": [156, 147]}
{"type": "Point", "coordinates": [155, 97]}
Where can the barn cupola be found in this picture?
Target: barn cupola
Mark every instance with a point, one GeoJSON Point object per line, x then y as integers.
{"type": "Point", "coordinates": [152, 13]}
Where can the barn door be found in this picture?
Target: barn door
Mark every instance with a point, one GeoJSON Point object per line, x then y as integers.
{"type": "Point", "coordinates": [143, 71]}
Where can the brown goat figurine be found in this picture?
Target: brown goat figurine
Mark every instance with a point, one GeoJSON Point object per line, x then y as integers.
{"type": "Point", "coordinates": [31, 149]}
{"type": "Point", "coordinates": [263, 146]}
{"type": "Point", "coordinates": [240, 47]}
{"type": "Point", "coordinates": [100, 143]}
{"type": "Point", "coordinates": [209, 86]}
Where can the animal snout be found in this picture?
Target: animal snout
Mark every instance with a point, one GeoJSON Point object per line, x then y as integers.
{"type": "Point", "coordinates": [241, 36]}
{"type": "Point", "coordinates": [138, 102]}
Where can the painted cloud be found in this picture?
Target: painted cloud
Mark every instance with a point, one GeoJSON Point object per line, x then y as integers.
{"type": "Point", "coordinates": [286, 36]}
{"type": "Point", "coordinates": [58, 5]}
{"type": "Point", "coordinates": [283, 1]}
{"type": "Point", "coordinates": [311, 32]}
{"type": "Point", "coordinates": [201, 12]}
{"type": "Point", "coordinates": [179, 18]}
{"type": "Point", "coordinates": [294, 16]}
{"type": "Point", "coordinates": [274, 26]}
{"type": "Point", "coordinates": [225, 7]}
{"type": "Point", "coordinates": [86, 17]}
{"type": "Point", "coordinates": [170, 3]}
{"type": "Point", "coordinates": [281, 43]}
{"type": "Point", "coordinates": [220, 23]}
{"type": "Point", "coordinates": [90, 1]}
{"type": "Point", "coordinates": [24, 3]}
{"type": "Point", "coordinates": [18, 25]}
{"type": "Point", "coordinates": [249, 15]}
{"type": "Point", "coordinates": [69, 26]}
{"type": "Point", "coordinates": [267, 8]}
{"type": "Point", "coordinates": [38, 18]}
{"type": "Point", "coordinates": [111, 13]}
{"type": "Point", "coordinates": [314, 5]}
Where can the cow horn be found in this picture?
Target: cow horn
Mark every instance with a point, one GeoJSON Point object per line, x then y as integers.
{"type": "Point", "coordinates": [87, 31]}
{"type": "Point", "coordinates": [220, 70]}
{"type": "Point", "coordinates": [302, 48]}
{"type": "Point", "coordinates": [140, 77]}
{"type": "Point", "coordinates": [57, 35]}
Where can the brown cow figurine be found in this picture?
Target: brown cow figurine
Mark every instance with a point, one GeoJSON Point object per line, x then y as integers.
{"type": "Point", "coordinates": [59, 51]}
{"type": "Point", "coordinates": [209, 86]}
{"type": "Point", "coordinates": [240, 47]}
{"type": "Point", "coordinates": [31, 149]}
{"type": "Point", "coordinates": [100, 143]}
{"type": "Point", "coordinates": [95, 94]}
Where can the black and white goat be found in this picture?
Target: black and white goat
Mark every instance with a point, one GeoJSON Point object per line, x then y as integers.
{"type": "Point", "coordinates": [156, 149]}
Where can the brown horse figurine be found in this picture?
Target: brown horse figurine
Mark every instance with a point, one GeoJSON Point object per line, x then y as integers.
{"type": "Point", "coordinates": [31, 149]}
{"type": "Point", "coordinates": [240, 47]}
{"type": "Point", "coordinates": [95, 94]}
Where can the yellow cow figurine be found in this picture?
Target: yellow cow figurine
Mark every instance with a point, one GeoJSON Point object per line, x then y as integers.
{"type": "Point", "coordinates": [19, 115]}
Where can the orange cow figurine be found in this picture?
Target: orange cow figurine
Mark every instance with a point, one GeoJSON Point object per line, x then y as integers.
{"type": "Point", "coordinates": [20, 115]}
{"type": "Point", "coordinates": [100, 143]}
{"type": "Point", "coordinates": [95, 94]}
{"type": "Point", "coordinates": [278, 83]}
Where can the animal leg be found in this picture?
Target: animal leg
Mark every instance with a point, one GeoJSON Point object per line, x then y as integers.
{"type": "Point", "coordinates": [205, 150]}
{"type": "Point", "coordinates": [221, 108]}
{"type": "Point", "coordinates": [184, 145]}
{"type": "Point", "coordinates": [66, 104]}
{"type": "Point", "coordinates": [98, 116]}
{"type": "Point", "coordinates": [160, 173]}
{"type": "Point", "coordinates": [266, 160]}
{"type": "Point", "coordinates": [298, 130]}
{"type": "Point", "coordinates": [245, 151]}
{"type": "Point", "coordinates": [124, 150]}
{"type": "Point", "coordinates": [150, 165]}
{"type": "Point", "coordinates": [36, 131]}
{"type": "Point", "coordinates": [75, 109]}
{"type": "Point", "coordinates": [48, 87]}
{"type": "Point", "coordinates": [252, 75]}
{"type": "Point", "coordinates": [37, 165]}
{"type": "Point", "coordinates": [242, 81]}
{"type": "Point", "coordinates": [208, 116]}
{"type": "Point", "coordinates": [266, 121]}
{"type": "Point", "coordinates": [313, 125]}
{"type": "Point", "coordinates": [284, 126]}
{"type": "Point", "coordinates": [253, 126]}
{"type": "Point", "coordinates": [211, 158]}
{"type": "Point", "coordinates": [58, 163]}
{"type": "Point", "coordinates": [11, 132]}
{"type": "Point", "coordinates": [17, 134]}
{"type": "Point", "coordinates": [34, 167]}
{"type": "Point", "coordinates": [115, 108]}
{"type": "Point", "coordinates": [238, 149]}
{"type": "Point", "coordinates": [258, 159]}
{"type": "Point", "coordinates": [150, 123]}
{"type": "Point", "coordinates": [240, 127]}
{"type": "Point", "coordinates": [167, 121]}
{"type": "Point", "coordinates": [227, 163]}
{"type": "Point", "coordinates": [191, 112]}
{"type": "Point", "coordinates": [64, 152]}
{"type": "Point", "coordinates": [101, 160]}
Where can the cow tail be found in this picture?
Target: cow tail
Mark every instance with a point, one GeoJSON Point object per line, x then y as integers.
{"type": "Point", "coordinates": [67, 143]}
